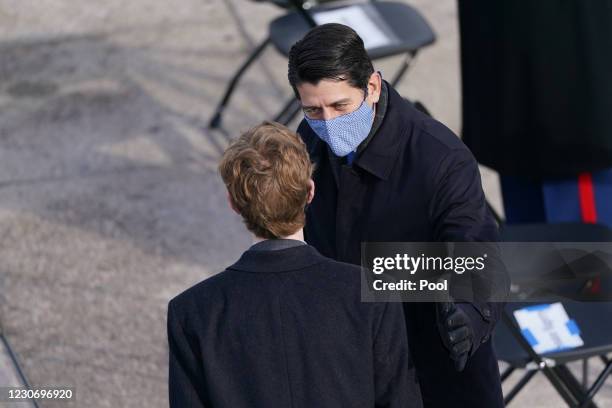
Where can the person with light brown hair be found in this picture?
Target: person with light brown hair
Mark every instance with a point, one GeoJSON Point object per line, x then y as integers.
{"type": "Point", "coordinates": [284, 326]}
{"type": "Point", "coordinates": [268, 173]}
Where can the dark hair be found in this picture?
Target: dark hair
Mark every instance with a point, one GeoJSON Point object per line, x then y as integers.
{"type": "Point", "coordinates": [330, 51]}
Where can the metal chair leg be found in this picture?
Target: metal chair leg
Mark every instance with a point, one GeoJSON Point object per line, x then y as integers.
{"type": "Point", "coordinates": [215, 121]}
{"type": "Point", "coordinates": [291, 110]}
{"type": "Point", "coordinates": [507, 372]}
{"type": "Point", "coordinates": [566, 379]}
{"type": "Point", "coordinates": [599, 382]}
{"type": "Point", "coordinates": [560, 377]}
{"type": "Point", "coordinates": [519, 386]}
{"type": "Point", "coordinates": [17, 365]}
{"type": "Point", "coordinates": [286, 108]}
{"type": "Point", "coordinates": [403, 68]}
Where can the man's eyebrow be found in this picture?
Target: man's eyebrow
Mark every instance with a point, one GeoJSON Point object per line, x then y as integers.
{"type": "Point", "coordinates": [341, 101]}
{"type": "Point", "coordinates": [338, 102]}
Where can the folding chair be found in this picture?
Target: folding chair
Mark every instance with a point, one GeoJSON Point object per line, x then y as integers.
{"type": "Point", "coordinates": [406, 28]}
{"type": "Point", "coordinates": [592, 317]}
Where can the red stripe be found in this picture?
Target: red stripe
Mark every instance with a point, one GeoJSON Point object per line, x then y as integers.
{"type": "Point", "coordinates": [586, 194]}
{"type": "Point", "coordinates": [596, 285]}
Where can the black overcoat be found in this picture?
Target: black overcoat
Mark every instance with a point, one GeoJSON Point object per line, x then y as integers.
{"type": "Point", "coordinates": [286, 328]}
{"type": "Point", "coordinates": [414, 182]}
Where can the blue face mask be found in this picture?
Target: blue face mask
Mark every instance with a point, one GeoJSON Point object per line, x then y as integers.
{"type": "Point", "coordinates": [344, 133]}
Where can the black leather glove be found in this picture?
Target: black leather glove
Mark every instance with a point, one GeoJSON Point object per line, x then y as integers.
{"type": "Point", "coordinates": [456, 332]}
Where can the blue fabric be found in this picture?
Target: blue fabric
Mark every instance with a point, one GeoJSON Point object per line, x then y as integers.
{"type": "Point", "coordinates": [603, 196]}
{"type": "Point", "coordinates": [350, 157]}
{"type": "Point", "coordinates": [344, 133]}
{"type": "Point", "coordinates": [554, 200]}
{"type": "Point", "coordinates": [561, 200]}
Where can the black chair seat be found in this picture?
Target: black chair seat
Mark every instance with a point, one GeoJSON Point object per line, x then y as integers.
{"type": "Point", "coordinates": [406, 23]}
{"type": "Point", "coordinates": [591, 316]}
{"type": "Point", "coordinates": [593, 319]}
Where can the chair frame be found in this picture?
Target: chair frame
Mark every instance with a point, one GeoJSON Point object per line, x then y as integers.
{"type": "Point", "coordinates": [575, 394]}
{"type": "Point", "coordinates": [567, 385]}
{"type": "Point", "coordinates": [292, 107]}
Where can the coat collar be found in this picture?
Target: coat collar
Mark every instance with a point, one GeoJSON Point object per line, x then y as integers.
{"type": "Point", "coordinates": [378, 158]}
{"type": "Point", "coordinates": [276, 244]}
{"type": "Point", "coordinates": [281, 260]}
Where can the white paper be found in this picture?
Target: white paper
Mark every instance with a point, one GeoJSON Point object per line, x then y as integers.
{"type": "Point", "coordinates": [548, 328]}
{"type": "Point", "coordinates": [356, 18]}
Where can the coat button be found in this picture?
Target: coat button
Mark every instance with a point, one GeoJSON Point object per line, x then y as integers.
{"type": "Point", "coordinates": [485, 338]}
{"type": "Point", "coordinates": [486, 312]}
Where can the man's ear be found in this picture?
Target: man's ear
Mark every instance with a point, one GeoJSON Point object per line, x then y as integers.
{"type": "Point", "coordinates": [374, 87]}
{"type": "Point", "coordinates": [231, 204]}
{"type": "Point", "coordinates": [311, 192]}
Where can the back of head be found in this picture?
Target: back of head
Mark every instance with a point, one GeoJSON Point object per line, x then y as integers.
{"type": "Point", "coordinates": [267, 173]}
{"type": "Point", "coordinates": [330, 51]}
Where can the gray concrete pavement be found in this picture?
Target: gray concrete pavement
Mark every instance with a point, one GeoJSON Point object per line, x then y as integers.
{"type": "Point", "coordinates": [109, 200]}
{"type": "Point", "coordinates": [9, 376]}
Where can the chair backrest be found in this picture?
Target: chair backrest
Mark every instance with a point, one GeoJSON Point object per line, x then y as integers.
{"type": "Point", "coordinates": [578, 272]}
{"type": "Point", "coordinates": [399, 28]}
{"type": "Point", "coordinates": [289, 4]}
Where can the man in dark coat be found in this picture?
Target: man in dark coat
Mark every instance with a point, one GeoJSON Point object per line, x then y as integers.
{"type": "Point", "coordinates": [537, 98]}
{"type": "Point", "coordinates": [386, 172]}
{"type": "Point", "coordinates": [284, 325]}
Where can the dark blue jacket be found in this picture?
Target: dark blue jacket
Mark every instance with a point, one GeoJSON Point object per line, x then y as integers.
{"type": "Point", "coordinates": [415, 181]}
{"type": "Point", "coordinates": [286, 328]}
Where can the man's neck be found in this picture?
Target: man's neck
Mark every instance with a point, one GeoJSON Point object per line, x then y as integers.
{"type": "Point", "coordinates": [298, 235]}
